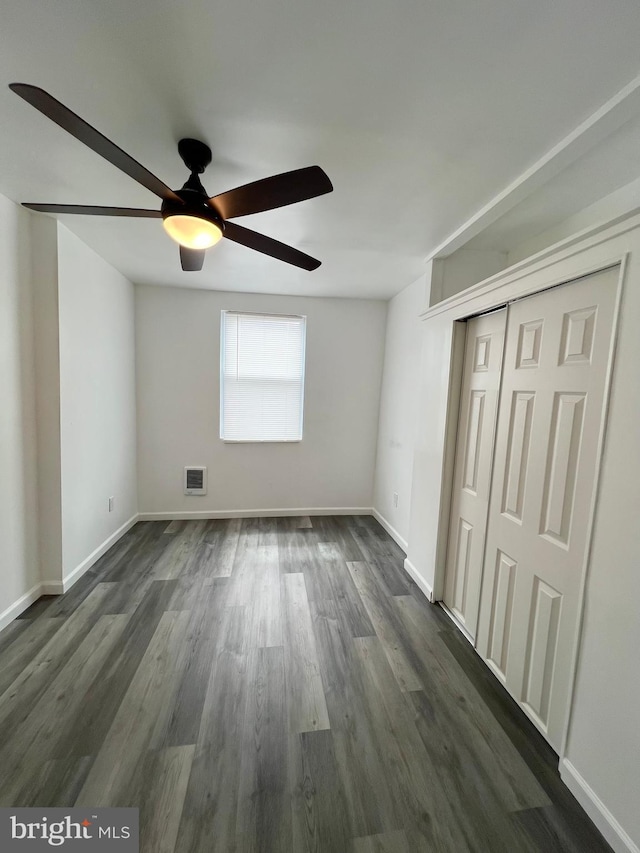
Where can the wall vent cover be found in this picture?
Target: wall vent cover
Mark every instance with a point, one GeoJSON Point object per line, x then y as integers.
{"type": "Point", "coordinates": [195, 480]}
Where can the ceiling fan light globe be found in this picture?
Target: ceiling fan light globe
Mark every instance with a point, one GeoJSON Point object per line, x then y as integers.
{"type": "Point", "coordinates": [192, 232]}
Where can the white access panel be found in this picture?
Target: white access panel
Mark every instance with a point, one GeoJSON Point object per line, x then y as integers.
{"type": "Point", "coordinates": [550, 416]}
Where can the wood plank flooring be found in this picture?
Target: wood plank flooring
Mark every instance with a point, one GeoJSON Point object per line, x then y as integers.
{"type": "Point", "coordinates": [273, 686]}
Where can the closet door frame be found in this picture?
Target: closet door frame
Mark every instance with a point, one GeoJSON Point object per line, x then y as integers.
{"type": "Point", "coordinates": [490, 300]}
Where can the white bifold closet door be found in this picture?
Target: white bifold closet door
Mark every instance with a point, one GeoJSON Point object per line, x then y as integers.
{"type": "Point", "coordinates": [529, 430]}
{"type": "Point", "coordinates": [472, 472]}
{"type": "Point", "coordinates": [550, 419]}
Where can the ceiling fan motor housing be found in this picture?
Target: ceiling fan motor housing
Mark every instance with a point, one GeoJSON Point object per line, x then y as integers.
{"type": "Point", "coordinates": [195, 203]}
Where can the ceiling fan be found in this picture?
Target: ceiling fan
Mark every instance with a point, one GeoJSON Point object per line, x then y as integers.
{"type": "Point", "coordinates": [192, 218]}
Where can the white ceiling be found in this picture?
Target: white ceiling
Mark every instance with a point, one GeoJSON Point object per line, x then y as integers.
{"type": "Point", "coordinates": [420, 111]}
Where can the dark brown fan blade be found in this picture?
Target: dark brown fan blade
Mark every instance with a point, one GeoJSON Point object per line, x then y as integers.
{"type": "Point", "coordinates": [94, 210]}
{"type": "Point", "coordinates": [269, 246]}
{"type": "Point", "coordinates": [277, 191]}
{"type": "Point", "coordinates": [191, 259]}
{"type": "Point", "coordinates": [91, 137]}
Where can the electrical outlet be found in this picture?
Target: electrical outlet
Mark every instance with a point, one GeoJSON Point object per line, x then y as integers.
{"type": "Point", "coordinates": [112, 501]}
{"type": "Point", "coordinates": [395, 499]}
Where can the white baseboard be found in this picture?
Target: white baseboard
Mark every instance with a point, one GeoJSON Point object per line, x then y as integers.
{"type": "Point", "coordinates": [14, 610]}
{"type": "Point", "coordinates": [417, 577]}
{"type": "Point", "coordinates": [51, 588]}
{"type": "Point", "coordinates": [393, 533]}
{"type": "Point", "coordinates": [75, 575]}
{"type": "Point", "coordinates": [596, 809]}
{"type": "Point", "coordinates": [253, 513]}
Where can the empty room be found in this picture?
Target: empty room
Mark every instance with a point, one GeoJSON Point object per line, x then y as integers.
{"type": "Point", "coordinates": [319, 426]}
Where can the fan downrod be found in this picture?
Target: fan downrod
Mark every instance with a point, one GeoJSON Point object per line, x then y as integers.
{"type": "Point", "coordinates": [196, 155]}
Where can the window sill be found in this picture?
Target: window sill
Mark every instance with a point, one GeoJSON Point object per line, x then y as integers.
{"type": "Point", "coordinates": [261, 440]}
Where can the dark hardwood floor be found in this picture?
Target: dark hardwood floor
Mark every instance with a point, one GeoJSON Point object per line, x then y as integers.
{"type": "Point", "coordinates": [272, 685]}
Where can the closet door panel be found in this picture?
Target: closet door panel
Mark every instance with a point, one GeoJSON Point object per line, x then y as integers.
{"type": "Point", "coordinates": [556, 362]}
{"type": "Point", "coordinates": [472, 473]}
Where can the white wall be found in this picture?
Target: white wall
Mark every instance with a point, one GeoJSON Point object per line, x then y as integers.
{"type": "Point", "coordinates": [469, 265]}
{"type": "Point", "coordinates": [19, 569]}
{"type": "Point", "coordinates": [460, 270]}
{"type": "Point", "coordinates": [44, 266]}
{"type": "Point", "coordinates": [618, 203]}
{"type": "Point", "coordinates": [602, 758]}
{"type": "Point", "coordinates": [178, 364]}
{"type": "Point", "coordinates": [398, 409]}
{"type": "Point", "coordinates": [97, 400]}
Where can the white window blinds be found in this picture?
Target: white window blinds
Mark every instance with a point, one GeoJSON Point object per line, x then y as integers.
{"type": "Point", "coordinates": [261, 377]}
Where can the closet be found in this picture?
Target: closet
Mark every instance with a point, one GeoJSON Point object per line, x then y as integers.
{"type": "Point", "coordinates": [530, 422]}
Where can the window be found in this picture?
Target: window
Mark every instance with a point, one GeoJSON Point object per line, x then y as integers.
{"type": "Point", "coordinates": [261, 377]}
